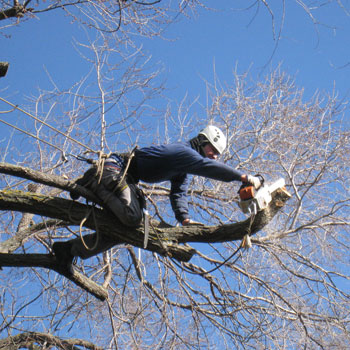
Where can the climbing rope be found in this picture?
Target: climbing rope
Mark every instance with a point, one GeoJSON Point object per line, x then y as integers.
{"type": "Point", "coordinates": [92, 209]}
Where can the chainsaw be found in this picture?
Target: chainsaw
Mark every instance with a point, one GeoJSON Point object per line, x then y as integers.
{"type": "Point", "coordinates": [253, 200]}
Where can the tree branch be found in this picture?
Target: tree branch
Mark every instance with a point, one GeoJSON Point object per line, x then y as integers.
{"type": "Point", "coordinates": [16, 11]}
{"type": "Point", "coordinates": [74, 213]}
{"type": "Point", "coordinates": [161, 240]}
{"type": "Point", "coordinates": [48, 261]}
{"type": "Point", "coordinates": [46, 179]}
{"type": "Point", "coordinates": [229, 232]}
{"type": "Point", "coordinates": [28, 340]}
{"type": "Point", "coordinates": [17, 240]}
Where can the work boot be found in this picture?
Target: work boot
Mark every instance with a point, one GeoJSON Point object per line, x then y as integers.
{"type": "Point", "coordinates": [64, 257]}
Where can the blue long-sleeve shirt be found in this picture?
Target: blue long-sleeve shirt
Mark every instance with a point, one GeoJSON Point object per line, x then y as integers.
{"type": "Point", "coordinates": [173, 162]}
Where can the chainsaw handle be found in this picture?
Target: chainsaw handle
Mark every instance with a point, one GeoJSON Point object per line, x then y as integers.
{"type": "Point", "coordinates": [262, 180]}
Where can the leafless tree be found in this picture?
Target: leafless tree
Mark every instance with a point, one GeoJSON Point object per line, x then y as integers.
{"type": "Point", "coordinates": [195, 287]}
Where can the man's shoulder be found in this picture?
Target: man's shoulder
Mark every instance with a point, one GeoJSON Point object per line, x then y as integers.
{"type": "Point", "coordinates": [177, 147]}
{"type": "Point", "coordinates": [172, 150]}
{"type": "Point", "coordinates": [180, 145]}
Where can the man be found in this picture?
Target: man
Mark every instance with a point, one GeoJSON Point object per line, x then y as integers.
{"type": "Point", "coordinates": [171, 162]}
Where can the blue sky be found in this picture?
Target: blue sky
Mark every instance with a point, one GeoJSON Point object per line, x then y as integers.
{"type": "Point", "coordinates": [228, 39]}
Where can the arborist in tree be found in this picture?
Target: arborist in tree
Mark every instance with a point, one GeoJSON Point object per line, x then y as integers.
{"type": "Point", "coordinates": [117, 188]}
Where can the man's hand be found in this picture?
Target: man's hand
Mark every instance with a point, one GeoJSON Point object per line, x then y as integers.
{"type": "Point", "coordinates": [189, 222]}
{"type": "Point", "coordinates": [254, 180]}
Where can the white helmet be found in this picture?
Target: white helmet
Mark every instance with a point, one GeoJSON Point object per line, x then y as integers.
{"type": "Point", "coordinates": [215, 136]}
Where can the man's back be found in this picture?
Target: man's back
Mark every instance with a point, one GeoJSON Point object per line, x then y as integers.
{"type": "Point", "coordinates": [165, 162]}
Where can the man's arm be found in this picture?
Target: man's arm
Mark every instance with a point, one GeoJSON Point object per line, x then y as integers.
{"type": "Point", "coordinates": [178, 198]}
{"type": "Point", "coordinates": [191, 162]}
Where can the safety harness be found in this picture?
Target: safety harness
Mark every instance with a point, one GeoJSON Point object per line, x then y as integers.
{"type": "Point", "coordinates": [120, 163]}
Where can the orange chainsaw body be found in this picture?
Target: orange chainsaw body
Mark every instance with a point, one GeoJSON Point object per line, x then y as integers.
{"type": "Point", "coordinates": [247, 192]}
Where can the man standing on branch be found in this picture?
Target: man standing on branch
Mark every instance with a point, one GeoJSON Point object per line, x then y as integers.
{"type": "Point", "coordinates": [117, 187]}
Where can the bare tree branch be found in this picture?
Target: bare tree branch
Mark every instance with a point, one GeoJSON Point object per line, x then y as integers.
{"type": "Point", "coordinates": [18, 239]}
{"type": "Point", "coordinates": [48, 261]}
{"type": "Point", "coordinates": [29, 339]}
{"type": "Point", "coordinates": [47, 179]}
{"type": "Point", "coordinates": [17, 11]}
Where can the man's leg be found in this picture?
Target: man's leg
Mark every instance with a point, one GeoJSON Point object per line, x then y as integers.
{"type": "Point", "coordinates": [87, 246]}
{"type": "Point", "coordinates": [93, 244]}
{"type": "Point", "coordinates": [125, 205]}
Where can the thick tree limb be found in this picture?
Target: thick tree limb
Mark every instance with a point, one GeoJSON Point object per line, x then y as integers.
{"type": "Point", "coordinates": [229, 232]}
{"type": "Point", "coordinates": [46, 179]}
{"type": "Point", "coordinates": [26, 228]}
{"type": "Point", "coordinates": [161, 239]}
{"type": "Point", "coordinates": [17, 11]}
{"type": "Point", "coordinates": [74, 213]}
{"type": "Point", "coordinates": [49, 262]}
{"type": "Point", "coordinates": [29, 339]}
{"type": "Point", "coordinates": [185, 234]}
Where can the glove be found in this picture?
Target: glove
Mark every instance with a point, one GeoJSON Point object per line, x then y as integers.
{"type": "Point", "coordinates": [254, 180]}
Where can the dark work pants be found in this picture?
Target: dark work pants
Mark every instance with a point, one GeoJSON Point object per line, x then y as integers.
{"type": "Point", "coordinates": [125, 206]}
